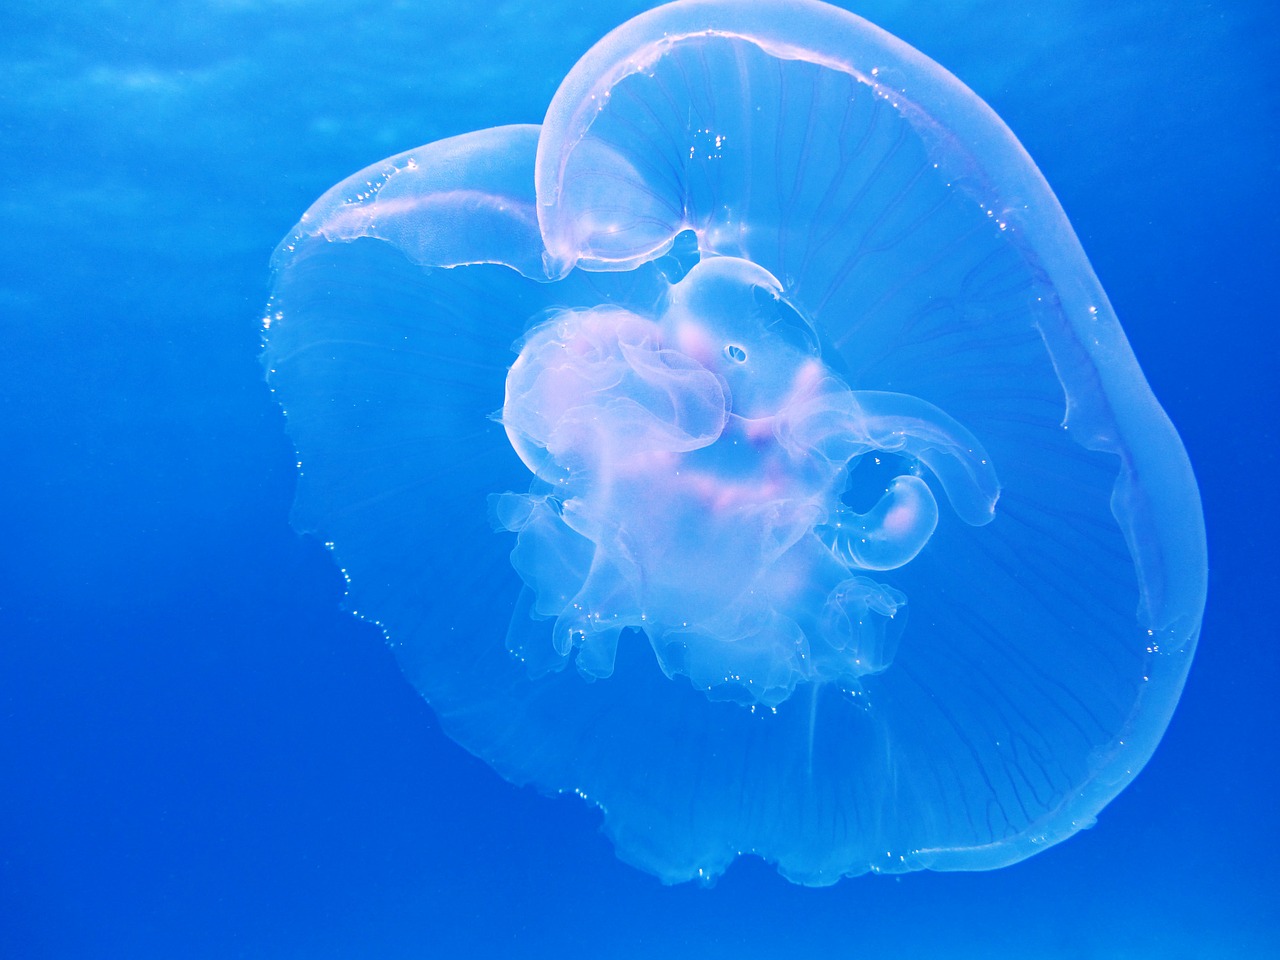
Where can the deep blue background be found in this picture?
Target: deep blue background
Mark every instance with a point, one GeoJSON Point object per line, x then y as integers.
{"type": "Point", "coordinates": [201, 756]}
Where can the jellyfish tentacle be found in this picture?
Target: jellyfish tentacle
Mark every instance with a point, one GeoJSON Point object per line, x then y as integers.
{"type": "Point", "coordinates": [842, 425]}
{"type": "Point", "coordinates": [900, 423]}
{"type": "Point", "coordinates": [891, 533]}
{"type": "Point", "coordinates": [862, 620]}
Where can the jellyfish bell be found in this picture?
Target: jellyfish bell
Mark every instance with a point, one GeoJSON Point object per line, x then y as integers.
{"type": "Point", "coordinates": [825, 514]}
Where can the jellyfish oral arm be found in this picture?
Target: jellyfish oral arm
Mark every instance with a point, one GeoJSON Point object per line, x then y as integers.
{"type": "Point", "coordinates": [891, 534]}
{"type": "Point", "coordinates": [688, 475]}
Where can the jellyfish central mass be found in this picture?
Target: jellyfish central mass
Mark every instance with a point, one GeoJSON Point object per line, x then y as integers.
{"type": "Point", "coordinates": [689, 470]}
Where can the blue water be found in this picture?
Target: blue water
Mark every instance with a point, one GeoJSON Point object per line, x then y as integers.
{"type": "Point", "coordinates": [203, 756]}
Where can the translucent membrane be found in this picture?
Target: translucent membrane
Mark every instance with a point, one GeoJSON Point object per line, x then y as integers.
{"type": "Point", "coordinates": [751, 449]}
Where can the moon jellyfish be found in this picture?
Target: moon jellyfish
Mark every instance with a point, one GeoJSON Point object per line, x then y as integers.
{"type": "Point", "coordinates": [750, 449]}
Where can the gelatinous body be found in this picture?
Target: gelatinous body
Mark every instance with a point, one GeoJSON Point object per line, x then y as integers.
{"type": "Point", "coordinates": [751, 449]}
{"type": "Point", "coordinates": [691, 471]}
